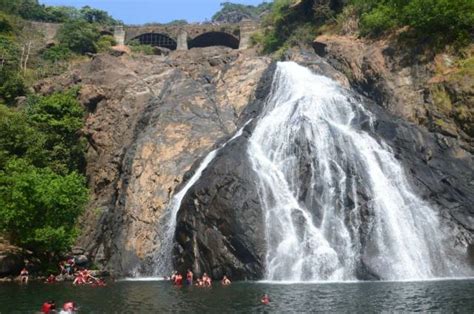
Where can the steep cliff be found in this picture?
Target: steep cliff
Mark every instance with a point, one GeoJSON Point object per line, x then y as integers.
{"type": "Point", "coordinates": [150, 119]}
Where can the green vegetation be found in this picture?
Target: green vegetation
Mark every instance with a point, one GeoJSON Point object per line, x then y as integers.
{"type": "Point", "coordinates": [439, 21]}
{"type": "Point", "coordinates": [39, 208]}
{"type": "Point", "coordinates": [136, 47]}
{"type": "Point", "coordinates": [32, 10]}
{"type": "Point", "coordinates": [248, 11]}
{"type": "Point", "coordinates": [21, 63]}
{"type": "Point", "coordinates": [79, 36]}
{"type": "Point", "coordinates": [436, 23]}
{"type": "Point", "coordinates": [42, 192]}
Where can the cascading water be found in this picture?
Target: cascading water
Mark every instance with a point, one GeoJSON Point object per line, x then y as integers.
{"type": "Point", "coordinates": [162, 260]}
{"type": "Point", "coordinates": [336, 201]}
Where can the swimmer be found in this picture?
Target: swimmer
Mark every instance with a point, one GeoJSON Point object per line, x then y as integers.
{"type": "Point", "coordinates": [68, 308]}
{"type": "Point", "coordinates": [48, 307]}
{"type": "Point", "coordinates": [24, 275]}
{"type": "Point", "coordinates": [51, 279]}
{"type": "Point", "coordinates": [265, 299]}
{"type": "Point", "coordinates": [189, 277]}
{"type": "Point", "coordinates": [225, 281]}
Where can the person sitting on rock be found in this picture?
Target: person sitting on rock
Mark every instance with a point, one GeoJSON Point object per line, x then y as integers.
{"type": "Point", "coordinates": [24, 275]}
{"type": "Point", "coordinates": [79, 280]}
{"type": "Point", "coordinates": [51, 279]}
{"type": "Point", "coordinates": [225, 281]}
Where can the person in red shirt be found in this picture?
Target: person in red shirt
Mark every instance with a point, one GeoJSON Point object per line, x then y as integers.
{"type": "Point", "coordinates": [48, 306]}
{"type": "Point", "coordinates": [178, 280]}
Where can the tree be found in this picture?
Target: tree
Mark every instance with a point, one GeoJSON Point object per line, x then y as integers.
{"type": "Point", "coordinates": [92, 15]}
{"type": "Point", "coordinates": [39, 208]}
{"type": "Point", "coordinates": [79, 36]}
{"type": "Point", "coordinates": [18, 139]}
{"type": "Point", "coordinates": [60, 118]}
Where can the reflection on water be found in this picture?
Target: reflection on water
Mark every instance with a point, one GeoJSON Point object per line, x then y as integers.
{"type": "Point", "coordinates": [160, 296]}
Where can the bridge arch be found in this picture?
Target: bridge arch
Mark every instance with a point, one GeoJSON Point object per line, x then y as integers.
{"type": "Point", "coordinates": [210, 39]}
{"type": "Point", "coordinates": [156, 40]}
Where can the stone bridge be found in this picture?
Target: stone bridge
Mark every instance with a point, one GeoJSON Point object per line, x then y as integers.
{"type": "Point", "coordinates": [184, 37]}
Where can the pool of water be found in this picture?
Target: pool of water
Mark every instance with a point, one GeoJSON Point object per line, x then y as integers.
{"type": "Point", "coordinates": [244, 297]}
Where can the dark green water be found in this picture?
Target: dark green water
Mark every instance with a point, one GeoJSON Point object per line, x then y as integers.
{"type": "Point", "coordinates": [243, 297]}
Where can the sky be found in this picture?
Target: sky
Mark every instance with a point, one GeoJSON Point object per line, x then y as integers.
{"type": "Point", "coordinates": [147, 11]}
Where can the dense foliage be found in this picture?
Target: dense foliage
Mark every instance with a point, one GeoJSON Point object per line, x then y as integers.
{"type": "Point", "coordinates": [42, 192]}
{"type": "Point", "coordinates": [38, 207]}
{"type": "Point", "coordinates": [439, 21]}
{"type": "Point", "coordinates": [79, 36]}
{"type": "Point", "coordinates": [33, 10]}
{"type": "Point", "coordinates": [435, 22]}
{"type": "Point", "coordinates": [243, 11]}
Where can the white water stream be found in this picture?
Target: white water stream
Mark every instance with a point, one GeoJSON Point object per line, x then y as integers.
{"type": "Point", "coordinates": [163, 260]}
{"type": "Point", "coordinates": [313, 160]}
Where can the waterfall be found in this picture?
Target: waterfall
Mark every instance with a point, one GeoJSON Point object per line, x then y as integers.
{"type": "Point", "coordinates": [162, 260]}
{"type": "Point", "coordinates": [335, 199]}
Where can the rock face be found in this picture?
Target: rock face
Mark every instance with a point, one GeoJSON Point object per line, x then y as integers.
{"type": "Point", "coordinates": [151, 118]}
{"type": "Point", "coordinates": [220, 222]}
{"type": "Point", "coordinates": [417, 86]}
{"type": "Point", "coordinates": [12, 259]}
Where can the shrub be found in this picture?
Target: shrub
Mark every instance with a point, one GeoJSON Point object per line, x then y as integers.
{"type": "Point", "coordinates": [105, 42]}
{"type": "Point", "coordinates": [378, 20]}
{"type": "Point", "coordinates": [57, 53]}
{"type": "Point", "coordinates": [136, 47]}
{"type": "Point", "coordinates": [449, 20]}
{"type": "Point", "coordinates": [18, 139]}
{"type": "Point", "coordinates": [60, 118]}
{"type": "Point", "coordinates": [12, 86]}
{"type": "Point", "coordinates": [39, 208]}
{"type": "Point", "coordinates": [79, 36]}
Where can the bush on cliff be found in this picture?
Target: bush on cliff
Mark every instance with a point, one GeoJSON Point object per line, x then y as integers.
{"type": "Point", "coordinates": [59, 117]}
{"type": "Point", "coordinates": [12, 83]}
{"type": "Point", "coordinates": [437, 21]}
{"type": "Point", "coordinates": [79, 36]}
{"type": "Point", "coordinates": [39, 208]}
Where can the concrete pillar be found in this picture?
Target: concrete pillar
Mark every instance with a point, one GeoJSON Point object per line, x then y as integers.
{"type": "Point", "coordinates": [182, 42]}
{"type": "Point", "coordinates": [247, 28]}
{"type": "Point", "coordinates": [119, 35]}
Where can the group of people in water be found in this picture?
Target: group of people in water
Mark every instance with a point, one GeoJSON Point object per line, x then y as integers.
{"type": "Point", "coordinates": [204, 281]}
{"type": "Point", "coordinates": [49, 307]}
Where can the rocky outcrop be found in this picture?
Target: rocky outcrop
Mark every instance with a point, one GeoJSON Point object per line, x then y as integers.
{"type": "Point", "coordinates": [150, 118]}
{"type": "Point", "coordinates": [416, 85]}
{"type": "Point", "coordinates": [220, 225]}
{"type": "Point", "coordinates": [12, 259]}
